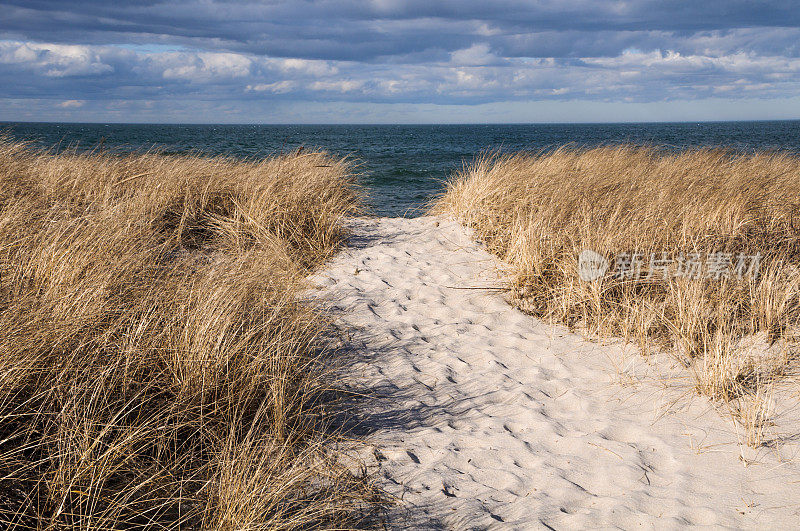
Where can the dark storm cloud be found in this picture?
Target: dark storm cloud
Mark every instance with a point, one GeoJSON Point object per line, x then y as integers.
{"type": "Point", "coordinates": [348, 30]}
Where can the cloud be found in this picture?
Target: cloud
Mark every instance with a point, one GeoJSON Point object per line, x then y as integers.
{"type": "Point", "coordinates": [476, 55]}
{"type": "Point", "coordinates": [356, 30]}
{"type": "Point", "coordinates": [346, 85]}
{"type": "Point", "coordinates": [201, 67]}
{"type": "Point", "coordinates": [470, 76]}
{"type": "Point", "coordinates": [279, 87]}
{"type": "Point", "coordinates": [55, 60]}
{"type": "Point", "coordinates": [413, 52]}
{"type": "Point", "coordinates": [71, 104]}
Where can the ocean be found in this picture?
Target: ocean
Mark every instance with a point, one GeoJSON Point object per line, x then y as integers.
{"type": "Point", "coordinates": [403, 166]}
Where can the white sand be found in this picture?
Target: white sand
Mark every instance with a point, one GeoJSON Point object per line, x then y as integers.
{"type": "Point", "coordinates": [483, 417]}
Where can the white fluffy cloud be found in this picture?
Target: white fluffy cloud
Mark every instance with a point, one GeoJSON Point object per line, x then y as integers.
{"type": "Point", "coordinates": [55, 60]}
{"type": "Point", "coordinates": [471, 75]}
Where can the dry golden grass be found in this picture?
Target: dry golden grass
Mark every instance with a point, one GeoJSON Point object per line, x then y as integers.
{"type": "Point", "coordinates": [540, 211]}
{"type": "Point", "coordinates": [156, 369]}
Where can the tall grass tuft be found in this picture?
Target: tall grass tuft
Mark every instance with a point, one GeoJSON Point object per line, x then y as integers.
{"type": "Point", "coordinates": [735, 331]}
{"type": "Point", "coordinates": [156, 369]}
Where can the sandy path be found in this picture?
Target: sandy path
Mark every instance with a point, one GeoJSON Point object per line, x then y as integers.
{"type": "Point", "coordinates": [485, 417]}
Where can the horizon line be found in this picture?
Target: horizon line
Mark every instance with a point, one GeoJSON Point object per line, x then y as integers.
{"type": "Point", "coordinates": [622, 122]}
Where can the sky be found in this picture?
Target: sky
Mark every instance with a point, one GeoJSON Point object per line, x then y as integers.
{"type": "Point", "coordinates": [394, 61]}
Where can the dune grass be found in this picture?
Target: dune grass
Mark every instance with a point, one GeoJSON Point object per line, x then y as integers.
{"type": "Point", "coordinates": [156, 369]}
{"type": "Point", "coordinates": [659, 220]}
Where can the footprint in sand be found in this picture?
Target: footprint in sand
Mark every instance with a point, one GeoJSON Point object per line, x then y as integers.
{"type": "Point", "coordinates": [525, 426]}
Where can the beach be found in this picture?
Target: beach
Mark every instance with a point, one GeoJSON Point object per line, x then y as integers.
{"type": "Point", "coordinates": [477, 416]}
{"type": "Point", "coordinates": [219, 343]}
{"type": "Point", "coordinates": [398, 265]}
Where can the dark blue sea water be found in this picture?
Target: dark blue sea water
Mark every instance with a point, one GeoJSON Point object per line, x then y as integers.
{"type": "Point", "coordinates": [403, 166]}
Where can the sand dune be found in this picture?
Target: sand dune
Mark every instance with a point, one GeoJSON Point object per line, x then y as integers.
{"type": "Point", "coordinates": [481, 416]}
